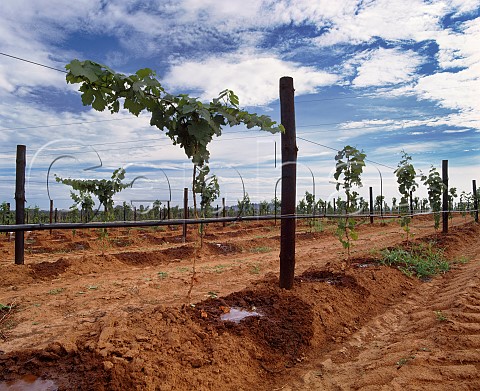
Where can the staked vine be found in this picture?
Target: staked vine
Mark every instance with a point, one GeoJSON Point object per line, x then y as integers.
{"type": "Point", "coordinates": [349, 168]}
{"type": "Point", "coordinates": [406, 174]}
{"type": "Point", "coordinates": [103, 189]}
{"type": "Point", "coordinates": [187, 121]}
{"type": "Point", "coordinates": [435, 187]}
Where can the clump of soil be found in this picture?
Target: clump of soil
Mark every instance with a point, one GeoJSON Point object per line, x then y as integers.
{"type": "Point", "coordinates": [49, 269]}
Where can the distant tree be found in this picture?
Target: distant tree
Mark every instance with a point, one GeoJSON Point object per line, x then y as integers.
{"type": "Point", "coordinates": [394, 203]}
{"type": "Point", "coordinates": [302, 207]}
{"type": "Point", "coordinates": [264, 208]}
{"type": "Point", "coordinates": [424, 203]}
{"type": "Point", "coordinates": [276, 205]}
{"type": "Point", "coordinates": [416, 203]}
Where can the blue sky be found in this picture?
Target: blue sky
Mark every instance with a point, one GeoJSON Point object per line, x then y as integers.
{"type": "Point", "coordinates": [380, 75]}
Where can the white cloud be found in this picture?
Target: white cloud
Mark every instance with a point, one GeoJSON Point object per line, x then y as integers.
{"type": "Point", "coordinates": [387, 19]}
{"type": "Point", "coordinates": [385, 66]}
{"type": "Point", "coordinates": [459, 49]}
{"type": "Point", "coordinates": [465, 6]}
{"type": "Point", "coordinates": [414, 147]}
{"type": "Point", "coordinates": [452, 90]}
{"type": "Point", "coordinates": [254, 78]}
{"type": "Point", "coordinates": [455, 131]}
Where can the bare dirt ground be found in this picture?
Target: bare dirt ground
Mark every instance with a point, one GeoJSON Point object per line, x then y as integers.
{"type": "Point", "coordinates": [96, 312]}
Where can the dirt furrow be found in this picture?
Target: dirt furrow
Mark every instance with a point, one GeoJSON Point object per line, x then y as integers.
{"type": "Point", "coordinates": [430, 340]}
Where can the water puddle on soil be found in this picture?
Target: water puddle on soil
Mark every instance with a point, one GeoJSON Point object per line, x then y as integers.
{"type": "Point", "coordinates": [237, 314]}
{"type": "Point", "coordinates": [29, 383]}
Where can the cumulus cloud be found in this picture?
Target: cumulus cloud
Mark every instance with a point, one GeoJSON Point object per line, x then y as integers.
{"type": "Point", "coordinates": [254, 78]}
{"type": "Point", "coordinates": [385, 66]}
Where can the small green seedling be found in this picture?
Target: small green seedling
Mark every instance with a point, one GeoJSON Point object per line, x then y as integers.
{"type": "Point", "coordinates": [55, 291]}
{"type": "Point", "coordinates": [255, 269]}
{"type": "Point", "coordinates": [404, 360]}
{"type": "Point", "coordinates": [263, 249]}
{"type": "Point", "coordinates": [162, 275]}
{"type": "Point", "coordinates": [212, 294]}
{"type": "Point", "coordinates": [462, 260]}
{"type": "Point", "coordinates": [441, 317]}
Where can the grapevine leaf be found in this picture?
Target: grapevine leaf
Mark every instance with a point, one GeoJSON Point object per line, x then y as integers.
{"type": "Point", "coordinates": [87, 97]}
{"type": "Point", "coordinates": [85, 69]}
{"type": "Point", "coordinates": [144, 72]}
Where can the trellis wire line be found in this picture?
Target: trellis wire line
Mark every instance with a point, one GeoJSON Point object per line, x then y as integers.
{"type": "Point", "coordinates": [336, 150]}
{"type": "Point", "coordinates": [33, 62]}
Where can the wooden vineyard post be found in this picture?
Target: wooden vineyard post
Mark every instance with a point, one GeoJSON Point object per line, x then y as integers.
{"type": "Point", "coordinates": [168, 211]}
{"type": "Point", "coordinates": [20, 203]}
{"type": "Point", "coordinates": [185, 213]}
{"type": "Point", "coordinates": [445, 196]}
{"type": "Point", "coordinates": [224, 212]}
{"type": "Point", "coordinates": [371, 204]}
{"type": "Point", "coordinates": [475, 199]}
{"type": "Point", "coordinates": [289, 182]}
{"type": "Point", "coordinates": [51, 214]}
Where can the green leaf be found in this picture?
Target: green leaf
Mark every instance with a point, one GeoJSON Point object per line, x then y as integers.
{"type": "Point", "coordinates": [144, 72]}
{"type": "Point", "coordinates": [84, 68]}
{"type": "Point", "coordinates": [187, 109]}
{"type": "Point", "coordinates": [99, 103]}
{"type": "Point", "coordinates": [133, 107]}
{"type": "Point", "coordinates": [87, 97]}
{"type": "Point", "coordinates": [233, 99]}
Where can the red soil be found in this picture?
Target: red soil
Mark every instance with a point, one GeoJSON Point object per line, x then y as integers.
{"type": "Point", "coordinates": [113, 313]}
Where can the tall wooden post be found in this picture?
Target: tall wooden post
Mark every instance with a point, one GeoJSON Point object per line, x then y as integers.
{"type": "Point", "coordinates": [185, 213]}
{"type": "Point", "coordinates": [20, 203]}
{"type": "Point", "coordinates": [475, 199]}
{"type": "Point", "coordinates": [51, 214]}
{"type": "Point", "coordinates": [224, 211]}
{"type": "Point", "coordinates": [289, 183]}
{"type": "Point", "coordinates": [168, 211]}
{"type": "Point", "coordinates": [445, 196]}
{"type": "Point", "coordinates": [371, 204]}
